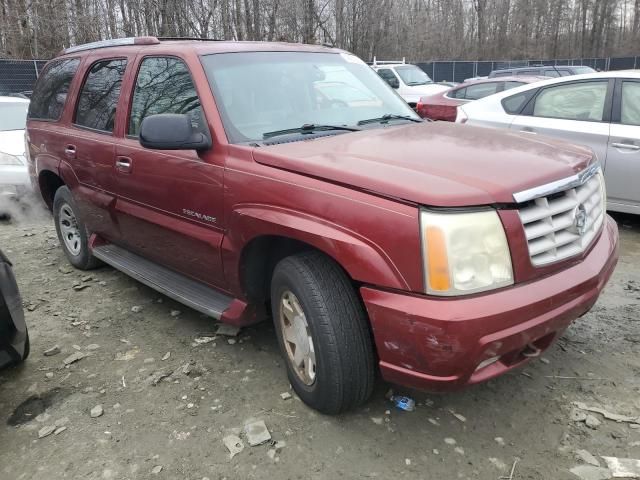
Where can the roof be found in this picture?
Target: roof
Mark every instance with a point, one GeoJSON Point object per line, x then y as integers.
{"type": "Point", "coordinates": [13, 100]}
{"type": "Point", "coordinates": [201, 47]}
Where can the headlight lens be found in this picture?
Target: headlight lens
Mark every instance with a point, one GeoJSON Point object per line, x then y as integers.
{"type": "Point", "coordinates": [6, 159]}
{"type": "Point", "coordinates": [464, 252]}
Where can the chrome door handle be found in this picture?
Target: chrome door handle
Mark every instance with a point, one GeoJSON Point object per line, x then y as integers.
{"type": "Point", "coordinates": [123, 164]}
{"type": "Point", "coordinates": [70, 151]}
{"type": "Point", "coordinates": [626, 146]}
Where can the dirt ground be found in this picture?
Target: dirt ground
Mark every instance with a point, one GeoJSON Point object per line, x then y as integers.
{"type": "Point", "coordinates": [158, 426]}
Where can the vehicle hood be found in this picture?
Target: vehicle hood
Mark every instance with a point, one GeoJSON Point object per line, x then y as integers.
{"type": "Point", "coordinates": [12, 142]}
{"type": "Point", "coordinates": [432, 163]}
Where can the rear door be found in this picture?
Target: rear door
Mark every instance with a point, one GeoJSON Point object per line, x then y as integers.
{"type": "Point", "coordinates": [578, 112]}
{"type": "Point", "coordinates": [90, 145]}
{"type": "Point", "coordinates": [622, 171]}
{"type": "Point", "coordinates": [170, 203]}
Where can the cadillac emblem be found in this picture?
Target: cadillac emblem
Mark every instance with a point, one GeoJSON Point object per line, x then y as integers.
{"type": "Point", "coordinates": [579, 224]}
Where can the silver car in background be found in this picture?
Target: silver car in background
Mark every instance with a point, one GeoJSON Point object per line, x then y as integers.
{"type": "Point", "coordinates": [600, 110]}
{"type": "Point", "coordinates": [14, 175]}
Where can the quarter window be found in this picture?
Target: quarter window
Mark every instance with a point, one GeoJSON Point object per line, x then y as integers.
{"type": "Point", "coordinates": [50, 93]}
{"type": "Point", "coordinates": [99, 95]}
{"type": "Point", "coordinates": [630, 108]}
{"type": "Point", "coordinates": [513, 105]}
{"type": "Point", "coordinates": [575, 101]}
{"type": "Point", "coordinates": [164, 85]}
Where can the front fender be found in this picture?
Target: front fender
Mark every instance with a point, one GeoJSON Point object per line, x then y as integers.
{"type": "Point", "coordinates": [363, 260]}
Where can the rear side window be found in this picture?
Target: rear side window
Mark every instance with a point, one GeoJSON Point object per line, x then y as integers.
{"type": "Point", "coordinates": [528, 72]}
{"type": "Point", "coordinates": [510, 85]}
{"type": "Point", "coordinates": [459, 93]}
{"type": "Point", "coordinates": [164, 85]}
{"type": "Point", "coordinates": [630, 108]}
{"type": "Point", "coordinates": [50, 93]}
{"type": "Point", "coordinates": [98, 98]}
{"type": "Point", "coordinates": [481, 90]}
{"type": "Point", "coordinates": [551, 73]}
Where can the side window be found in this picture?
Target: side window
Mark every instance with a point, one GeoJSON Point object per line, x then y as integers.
{"type": "Point", "coordinates": [564, 72]}
{"type": "Point", "coordinates": [164, 85]}
{"type": "Point", "coordinates": [508, 73]}
{"type": "Point", "coordinates": [630, 107]}
{"type": "Point", "coordinates": [514, 104]}
{"type": "Point", "coordinates": [481, 90]}
{"type": "Point", "coordinates": [551, 73]}
{"type": "Point", "coordinates": [459, 93]}
{"type": "Point", "coordinates": [512, 84]}
{"type": "Point", "coordinates": [98, 98]}
{"type": "Point", "coordinates": [528, 72]}
{"type": "Point", "coordinates": [50, 93]}
{"type": "Point", "coordinates": [387, 74]}
{"type": "Point", "coordinates": [574, 101]}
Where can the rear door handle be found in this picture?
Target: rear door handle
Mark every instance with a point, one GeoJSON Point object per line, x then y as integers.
{"type": "Point", "coordinates": [70, 151]}
{"type": "Point", "coordinates": [626, 146]}
{"type": "Point", "coordinates": [123, 164]}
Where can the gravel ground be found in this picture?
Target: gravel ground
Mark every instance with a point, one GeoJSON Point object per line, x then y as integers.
{"type": "Point", "coordinates": [146, 400]}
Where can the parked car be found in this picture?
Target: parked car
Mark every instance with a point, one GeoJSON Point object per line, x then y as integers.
{"type": "Point", "coordinates": [14, 337]}
{"type": "Point", "coordinates": [410, 81]}
{"type": "Point", "coordinates": [599, 110]}
{"type": "Point", "coordinates": [543, 71]}
{"type": "Point", "coordinates": [14, 177]}
{"type": "Point", "coordinates": [444, 105]}
{"type": "Point", "coordinates": [207, 171]}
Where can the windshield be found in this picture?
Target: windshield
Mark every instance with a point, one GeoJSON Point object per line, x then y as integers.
{"type": "Point", "coordinates": [262, 92]}
{"type": "Point", "coordinates": [13, 115]}
{"type": "Point", "coordinates": [412, 75]}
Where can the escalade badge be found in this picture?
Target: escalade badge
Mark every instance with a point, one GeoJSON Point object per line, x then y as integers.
{"type": "Point", "coordinates": [579, 220]}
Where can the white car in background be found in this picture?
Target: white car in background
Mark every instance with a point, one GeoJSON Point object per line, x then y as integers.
{"type": "Point", "coordinates": [599, 110]}
{"type": "Point", "coordinates": [410, 81]}
{"type": "Point", "coordinates": [14, 176]}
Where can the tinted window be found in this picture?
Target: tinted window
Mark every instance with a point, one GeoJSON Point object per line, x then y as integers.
{"type": "Point", "coordinates": [13, 116]}
{"type": "Point", "coordinates": [575, 101]}
{"type": "Point", "coordinates": [528, 72]}
{"type": "Point", "coordinates": [459, 93]}
{"type": "Point", "coordinates": [582, 70]}
{"type": "Point", "coordinates": [50, 93]}
{"type": "Point", "coordinates": [99, 95]}
{"type": "Point", "coordinates": [387, 74]}
{"type": "Point", "coordinates": [513, 105]}
{"type": "Point", "coordinates": [551, 73]}
{"type": "Point", "coordinates": [564, 72]}
{"type": "Point", "coordinates": [507, 73]}
{"type": "Point", "coordinates": [481, 90]}
{"type": "Point", "coordinates": [164, 85]}
{"type": "Point", "coordinates": [630, 108]}
{"type": "Point", "coordinates": [510, 85]}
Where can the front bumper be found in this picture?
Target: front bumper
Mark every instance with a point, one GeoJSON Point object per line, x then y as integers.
{"type": "Point", "coordinates": [441, 344]}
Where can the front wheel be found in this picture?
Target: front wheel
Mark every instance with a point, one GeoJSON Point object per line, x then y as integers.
{"type": "Point", "coordinates": [323, 333]}
{"type": "Point", "coordinates": [72, 232]}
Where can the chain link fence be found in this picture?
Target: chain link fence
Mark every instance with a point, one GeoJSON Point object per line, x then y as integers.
{"type": "Point", "coordinates": [459, 71]}
{"type": "Point", "coordinates": [20, 75]}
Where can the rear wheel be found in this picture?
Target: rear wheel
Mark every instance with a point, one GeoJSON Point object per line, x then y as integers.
{"type": "Point", "coordinates": [72, 232]}
{"type": "Point", "coordinates": [323, 333]}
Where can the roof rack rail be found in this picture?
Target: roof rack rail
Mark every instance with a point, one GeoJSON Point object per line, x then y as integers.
{"type": "Point", "coordinates": [116, 42]}
{"type": "Point", "coordinates": [387, 62]}
{"type": "Point", "coordinates": [162, 39]}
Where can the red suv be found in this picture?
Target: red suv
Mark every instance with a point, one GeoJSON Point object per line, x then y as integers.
{"type": "Point", "coordinates": [225, 175]}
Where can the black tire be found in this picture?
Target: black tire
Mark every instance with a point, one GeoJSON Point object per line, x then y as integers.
{"type": "Point", "coordinates": [338, 327]}
{"type": "Point", "coordinates": [83, 259]}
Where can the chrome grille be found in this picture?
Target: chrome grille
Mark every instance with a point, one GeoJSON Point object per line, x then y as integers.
{"type": "Point", "coordinates": [564, 223]}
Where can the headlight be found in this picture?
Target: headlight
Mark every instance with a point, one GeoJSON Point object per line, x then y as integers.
{"type": "Point", "coordinates": [464, 252]}
{"type": "Point", "coordinates": [6, 159]}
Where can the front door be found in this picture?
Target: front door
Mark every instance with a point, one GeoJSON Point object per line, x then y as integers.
{"type": "Point", "coordinates": [623, 158]}
{"type": "Point", "coordinates": [169, 203]}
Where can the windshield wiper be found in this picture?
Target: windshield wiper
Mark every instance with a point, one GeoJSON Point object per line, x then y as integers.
{"type": "Point", "coordinates": [308, 128]}
{"type": "Point", "coordinates": [389, 116]}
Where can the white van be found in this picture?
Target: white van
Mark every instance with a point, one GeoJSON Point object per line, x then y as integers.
{"type": "Point", "coordinates": [409, 80]}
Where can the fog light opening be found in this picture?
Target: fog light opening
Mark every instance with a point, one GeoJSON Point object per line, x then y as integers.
{"type": "Point", "coordinates": [487, 362]}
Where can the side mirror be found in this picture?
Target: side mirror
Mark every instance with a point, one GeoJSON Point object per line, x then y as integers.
{"type": "Point", "coordinates": [393, 82]}
{"type": "Point", "coordinates": [172, 131]}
